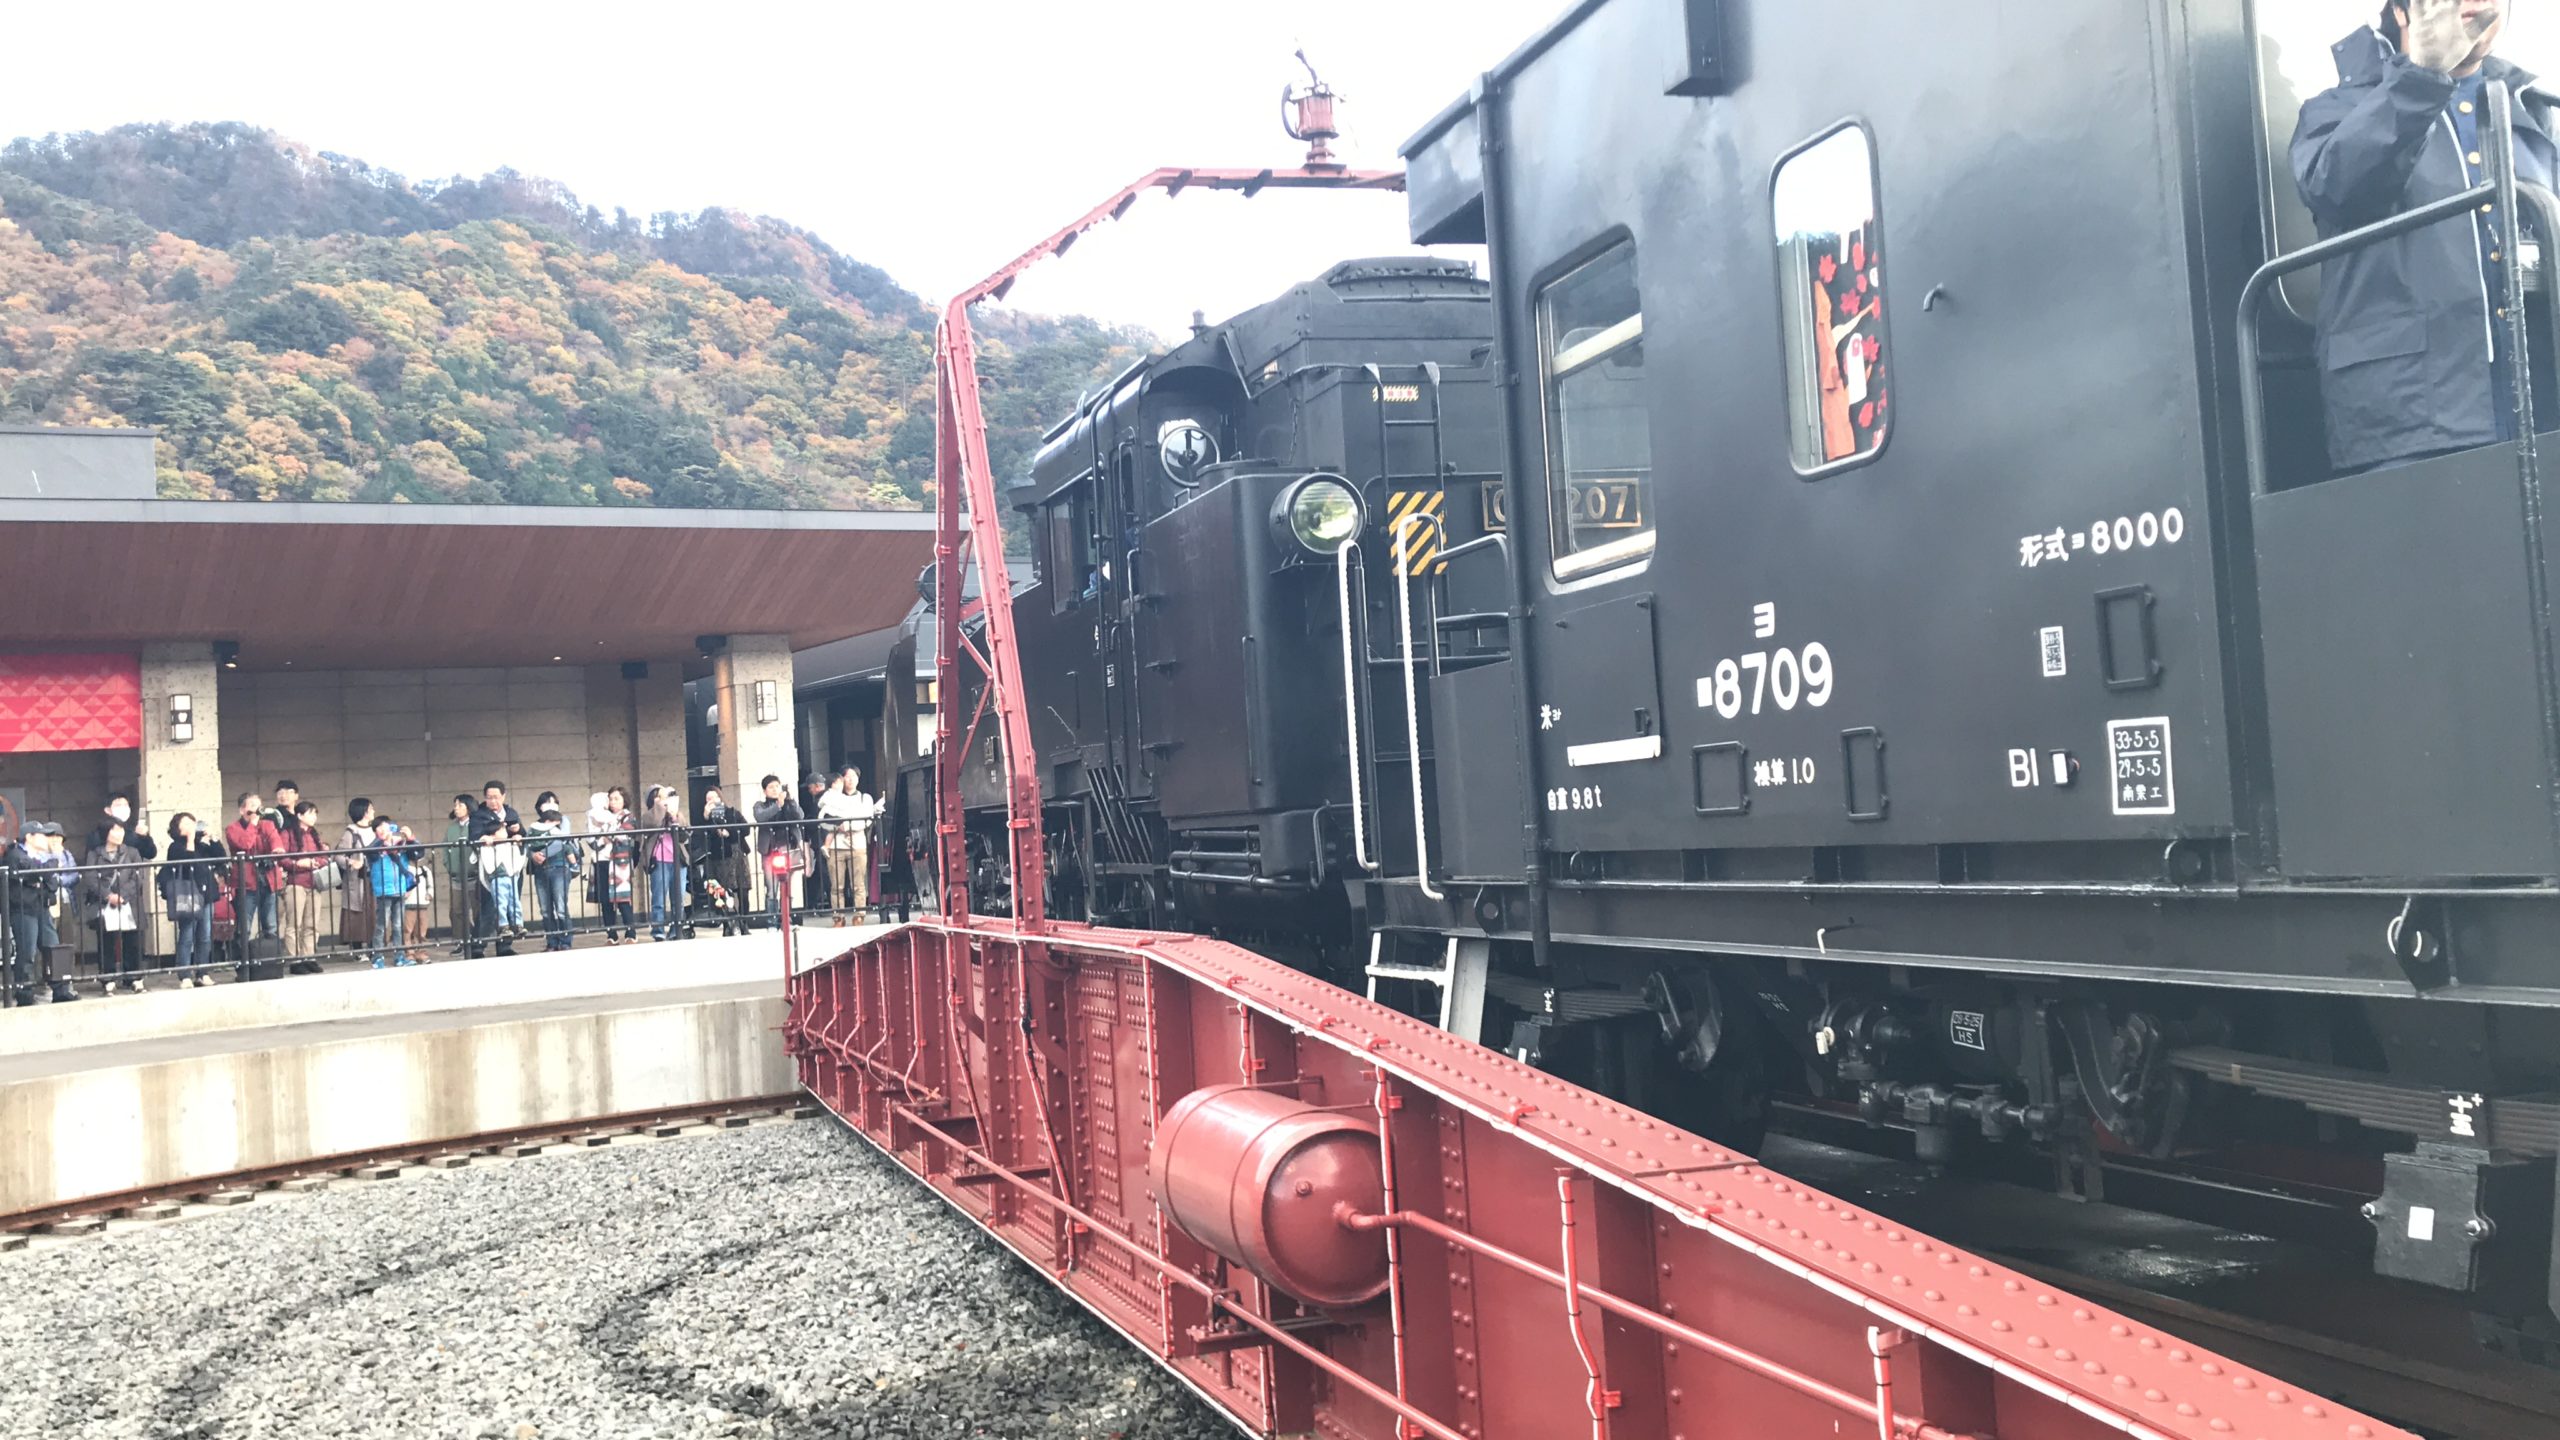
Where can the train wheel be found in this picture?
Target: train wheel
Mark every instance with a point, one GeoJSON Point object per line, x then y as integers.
{"type": "Point", "coordinates": [1728, 1102]}
{"type": "Point", "coordinates": [1703, 1068]}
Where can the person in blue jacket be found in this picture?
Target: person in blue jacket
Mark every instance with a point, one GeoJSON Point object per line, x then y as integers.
{"type": "Point", "coordinates": [2412, 331]}
{"type": "Point", "coordinates": [387, 867]}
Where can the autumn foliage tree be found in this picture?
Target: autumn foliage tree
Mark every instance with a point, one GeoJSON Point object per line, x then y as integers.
{"type": "Point", "coordinates": [300, 325]}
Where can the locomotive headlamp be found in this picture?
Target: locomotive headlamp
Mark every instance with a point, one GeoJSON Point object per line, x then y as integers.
{"type": "Point", "coordinates": [1320, 512]}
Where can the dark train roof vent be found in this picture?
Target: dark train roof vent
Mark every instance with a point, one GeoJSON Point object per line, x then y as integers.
{"type": "Point", "coordinates": [1402, 275]}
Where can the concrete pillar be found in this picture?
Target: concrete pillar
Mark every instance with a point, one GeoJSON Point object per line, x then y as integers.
{"type": "Point", "coordinates": [180, 775]}
{"type": "Point", "coordinates": [635, 728]}
{"type": "Point", "coordinates": [751, 749]}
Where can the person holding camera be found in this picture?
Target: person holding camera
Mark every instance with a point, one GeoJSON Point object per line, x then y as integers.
{"type": "Point", "coordinates": [190, 883]}
{"type": "Point", "coordinates": [2412, 338]}
{"type": "Point", "coordinates": [779, 831]}
{"type": "Point", "coordinates": [251, 837]}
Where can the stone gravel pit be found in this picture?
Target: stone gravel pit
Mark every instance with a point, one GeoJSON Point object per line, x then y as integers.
{"type": "Point", "coordinates": [777, 1280]}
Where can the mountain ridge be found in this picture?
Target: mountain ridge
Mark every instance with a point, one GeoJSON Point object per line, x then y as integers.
{"type": "Point", "coordinates": [300, 324]}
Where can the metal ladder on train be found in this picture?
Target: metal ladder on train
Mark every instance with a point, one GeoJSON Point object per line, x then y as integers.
{"type": "Point", "coordinates": [1460, 976]}
{"type": "Point", "coordinates": [1430, 488]}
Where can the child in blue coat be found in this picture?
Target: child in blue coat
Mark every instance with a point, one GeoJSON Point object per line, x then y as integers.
{"type": "Point", "coordinates": [387, 867]}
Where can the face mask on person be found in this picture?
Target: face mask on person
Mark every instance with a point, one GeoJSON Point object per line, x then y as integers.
{"type": "Point", "coordinates": [120, 811]}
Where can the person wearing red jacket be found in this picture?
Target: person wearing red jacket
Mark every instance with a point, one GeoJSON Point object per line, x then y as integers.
{"type": "Point", "coordinates": [251, 835]}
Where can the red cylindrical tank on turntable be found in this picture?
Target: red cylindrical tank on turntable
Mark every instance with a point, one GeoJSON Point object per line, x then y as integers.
{"type": "Point", "coordinates": [1262, 1178]}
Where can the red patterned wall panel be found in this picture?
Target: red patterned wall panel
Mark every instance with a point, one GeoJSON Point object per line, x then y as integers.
{"type": "Point", "coordinates": [70, 702]}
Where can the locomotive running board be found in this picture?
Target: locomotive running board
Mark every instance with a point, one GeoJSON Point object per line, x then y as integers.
{"type": "Point", "coordinates": [1555, 1263]}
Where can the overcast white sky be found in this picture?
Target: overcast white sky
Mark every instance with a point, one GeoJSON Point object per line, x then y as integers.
{"type": "Point", "coordinates": [933, 138]}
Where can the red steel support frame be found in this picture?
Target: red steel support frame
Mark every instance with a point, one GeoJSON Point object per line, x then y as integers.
{"type": "Point", "coordinates": [1020, 1067]}
{"type": "Point", "coordinates": [1688, 1293]}
{"type": "Point", "coordinates": [974, 537]}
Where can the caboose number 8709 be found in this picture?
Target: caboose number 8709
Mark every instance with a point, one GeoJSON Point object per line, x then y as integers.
{"type": "Point", "coordinates": [1885, 602]}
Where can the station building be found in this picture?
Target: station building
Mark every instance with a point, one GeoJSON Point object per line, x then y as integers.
{"type": "Point", "coordinates": [187, 651]}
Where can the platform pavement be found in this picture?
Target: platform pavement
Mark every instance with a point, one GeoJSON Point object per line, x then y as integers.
{"type": "Point", "coordinates": [120, 1093]}
{"type": "Point", "coordinates": [448, 984]}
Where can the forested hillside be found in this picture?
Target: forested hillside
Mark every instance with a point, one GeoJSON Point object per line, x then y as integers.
{"type": "Point", "coordinates": [300, 325]}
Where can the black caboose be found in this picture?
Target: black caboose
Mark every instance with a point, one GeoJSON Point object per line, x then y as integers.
{"type": "Point", "coordinates": [2003, 714]}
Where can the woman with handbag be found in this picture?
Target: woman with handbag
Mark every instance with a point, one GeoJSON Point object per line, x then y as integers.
{"type": "Point", "coordinates": [191, 889]}
{"type": "Point", "coordinates": [111, 898]}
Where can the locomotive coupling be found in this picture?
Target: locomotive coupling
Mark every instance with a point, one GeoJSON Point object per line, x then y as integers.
{"type": "Point", "coordinates": [1933, 1110]}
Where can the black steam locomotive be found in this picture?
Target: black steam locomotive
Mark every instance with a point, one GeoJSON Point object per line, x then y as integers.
{"type": "Point", "coordinates": [1181, 639]}
{"type": "Point", "coordinates": [1855, 612]}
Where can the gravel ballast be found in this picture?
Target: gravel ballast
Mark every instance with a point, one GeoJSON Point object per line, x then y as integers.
{"type": "Point", "coordinates": [781, 1280]}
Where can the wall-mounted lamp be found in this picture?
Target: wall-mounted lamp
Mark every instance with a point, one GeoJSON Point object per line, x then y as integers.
{"type": "Point", "coordinates": [182, 719]}
{"type": "Point", "coordinates": [768, 702]}
{"type": "Point", "coordinates": [226, 653]}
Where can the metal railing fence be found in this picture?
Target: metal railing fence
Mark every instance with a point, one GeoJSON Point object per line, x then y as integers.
{"type": "Point", "coordinates": [240, 916]}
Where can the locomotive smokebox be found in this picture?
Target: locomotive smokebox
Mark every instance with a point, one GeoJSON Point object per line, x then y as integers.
{"type": "Point", "coordinates": [1258, 1177]}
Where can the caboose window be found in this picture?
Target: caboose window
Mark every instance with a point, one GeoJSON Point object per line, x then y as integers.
{"type": "Point", "coordinates": [1599, 432]}
{"type": "Point", "coordinates": [1831, 291]}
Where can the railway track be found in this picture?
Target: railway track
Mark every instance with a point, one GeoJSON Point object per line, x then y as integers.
{"type": "Point", "coordinates": [73, 1215]}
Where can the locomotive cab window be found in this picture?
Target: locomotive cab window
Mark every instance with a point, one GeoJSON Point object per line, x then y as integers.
{"type": "Point", "coordinates": [1831, 289]}
{"type": "Point", "coordinates": [1073, 576]}
{"type": "Point", "coordinates": [1599, 431]}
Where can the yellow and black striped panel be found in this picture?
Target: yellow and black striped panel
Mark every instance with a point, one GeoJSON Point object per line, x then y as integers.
{"type": "Point", "coordinates": [1426, 536]}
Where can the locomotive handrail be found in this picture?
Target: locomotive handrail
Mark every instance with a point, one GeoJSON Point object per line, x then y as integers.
{"type": "Point", "coordinates": [2253, 400]}
{"type": "Point", "coordinates": [1139, 602]}
{"type": "Point", "coordinates": [1496, 540]}
{"type": "Point", "coordinates": [1412, 713]}
{"type": "Point", "coordinates": [1346, 559]}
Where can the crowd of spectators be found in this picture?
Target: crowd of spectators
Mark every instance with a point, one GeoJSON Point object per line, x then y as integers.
{"type": "Point", "coordinates": [271, 888]}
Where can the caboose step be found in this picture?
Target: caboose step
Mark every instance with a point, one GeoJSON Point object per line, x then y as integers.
{"type": "Point", "coordinates": [1431, 973]}
{"type": "Point", "coordinates": [1460, 976]}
